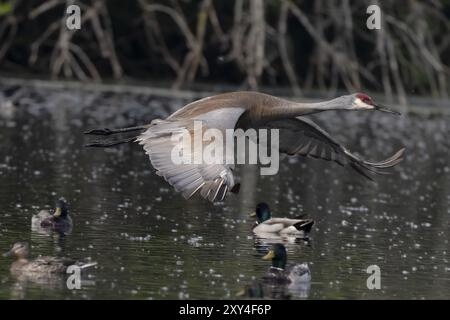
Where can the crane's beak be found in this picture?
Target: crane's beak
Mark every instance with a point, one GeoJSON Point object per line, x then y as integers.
{"type": "Point", "coordinates": [380, 107]}
{"type": "Point", "coordinates": [252, 214]}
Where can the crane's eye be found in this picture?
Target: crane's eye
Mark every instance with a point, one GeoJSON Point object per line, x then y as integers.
{"type": "Point", "coordinates": [365, 98]}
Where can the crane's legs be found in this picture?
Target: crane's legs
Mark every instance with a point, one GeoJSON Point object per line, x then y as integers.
{"type": "Point", "coordinates": [107, 132]}
{"type": "Point", "coordinates": [108, 143]}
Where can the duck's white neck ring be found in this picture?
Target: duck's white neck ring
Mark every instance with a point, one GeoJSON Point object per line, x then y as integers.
{"type": "Point", "coordinates": [276, 268]}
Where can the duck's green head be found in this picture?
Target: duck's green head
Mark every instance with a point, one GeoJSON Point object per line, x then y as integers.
{"type": "Point", "coordinates": [19, 249]}
{"type": "Point", "coordinates": [61, 209]}
{"type": "Point", "coordinates": [278, 256]}
{"type": "Point", "coordinates": [262, 212]}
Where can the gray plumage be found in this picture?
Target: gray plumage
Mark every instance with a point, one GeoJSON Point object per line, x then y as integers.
{"type": "Point", "coordinates": [298, 136]}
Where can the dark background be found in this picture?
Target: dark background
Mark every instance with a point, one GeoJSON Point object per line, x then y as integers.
{"type": "Point", "coordinates": [303, 45]}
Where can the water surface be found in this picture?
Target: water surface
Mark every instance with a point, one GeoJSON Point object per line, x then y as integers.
{"type": "Point", "coordinates": [150, 243]}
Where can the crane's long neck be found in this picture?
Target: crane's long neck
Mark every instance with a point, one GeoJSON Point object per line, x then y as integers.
{"type": "Point", "coordinates": [294, 109]}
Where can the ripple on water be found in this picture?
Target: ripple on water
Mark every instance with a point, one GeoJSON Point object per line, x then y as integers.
{"type": "Point", "coordinates": [150, 243]}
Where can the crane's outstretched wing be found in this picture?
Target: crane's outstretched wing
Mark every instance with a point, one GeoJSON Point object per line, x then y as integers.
{"type": "Point", "coordinates": [301, 136]}
{"type": "Point", "coordinates": [211, 180]}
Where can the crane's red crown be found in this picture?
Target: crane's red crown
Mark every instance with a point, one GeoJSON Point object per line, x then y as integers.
{"type": "Point", "coordinates": [364, 98]}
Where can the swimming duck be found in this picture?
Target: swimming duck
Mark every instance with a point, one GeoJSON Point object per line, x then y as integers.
{"type": "Point", "coordinates": [41, 265]}
{"type": "Point", "coordinates": [278, 273]}
{"type": "Point", "coordinates": [283, 226]}
{"type": "Point", "coordinates": [59, 221]}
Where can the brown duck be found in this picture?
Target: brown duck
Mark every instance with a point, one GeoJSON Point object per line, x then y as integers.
{"type": "Point", "coordinates": [40, 265]}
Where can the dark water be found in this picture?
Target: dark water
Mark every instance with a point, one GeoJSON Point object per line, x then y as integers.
{"type": "Point", "coordinates": [150, 243]}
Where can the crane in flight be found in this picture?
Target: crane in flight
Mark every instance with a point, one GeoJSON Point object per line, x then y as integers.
{"type": "Point", "coordinates": [297, 136]}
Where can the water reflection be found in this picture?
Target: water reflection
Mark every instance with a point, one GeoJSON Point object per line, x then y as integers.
{"type": "Point", "coordinates": [151, 243]}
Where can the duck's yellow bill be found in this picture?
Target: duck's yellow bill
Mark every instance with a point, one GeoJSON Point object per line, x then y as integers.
{"type": "Point", "coordinates": [57, 212]}
{"type": "Point", "coordinates": [269, 256]}
{"type": "Point", "coordinates": [252, 214]}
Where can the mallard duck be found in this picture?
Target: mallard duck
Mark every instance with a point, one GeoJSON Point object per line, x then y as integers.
{"type": "Point", "coordinates": [40, 265]}
{"type": "Point", "coordinates": [59, 221]}
{"type": "Point", "coordinates": [279, 273]}
{"type": "Point", "coordinates": [283, 226]}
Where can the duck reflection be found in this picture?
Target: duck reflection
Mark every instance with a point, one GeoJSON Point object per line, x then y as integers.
{"type": "Point", "coordinates": [281, 281]}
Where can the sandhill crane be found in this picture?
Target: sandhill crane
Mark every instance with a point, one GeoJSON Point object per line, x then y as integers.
{"type": "Point", "coordinates": [297, 136]}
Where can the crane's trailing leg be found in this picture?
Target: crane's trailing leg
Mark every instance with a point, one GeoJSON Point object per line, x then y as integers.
{"type": "Point", "coordinates": [112, 143]}
{"type": "Point", "coordinates": [108, 143]}
{"type": "Point", "coordinates": [107, 132]}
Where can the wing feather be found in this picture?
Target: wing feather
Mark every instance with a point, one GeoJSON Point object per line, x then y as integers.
{"type": "Point", "coordinates": [303, 137]}
{"type": "Point", "coordinates": [212, 181]}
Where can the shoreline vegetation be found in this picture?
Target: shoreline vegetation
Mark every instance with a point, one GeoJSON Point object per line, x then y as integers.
{"type": "Point", "coordinates": [416, 104]}
{"type": "Point", "coordinates": [301, 46]}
